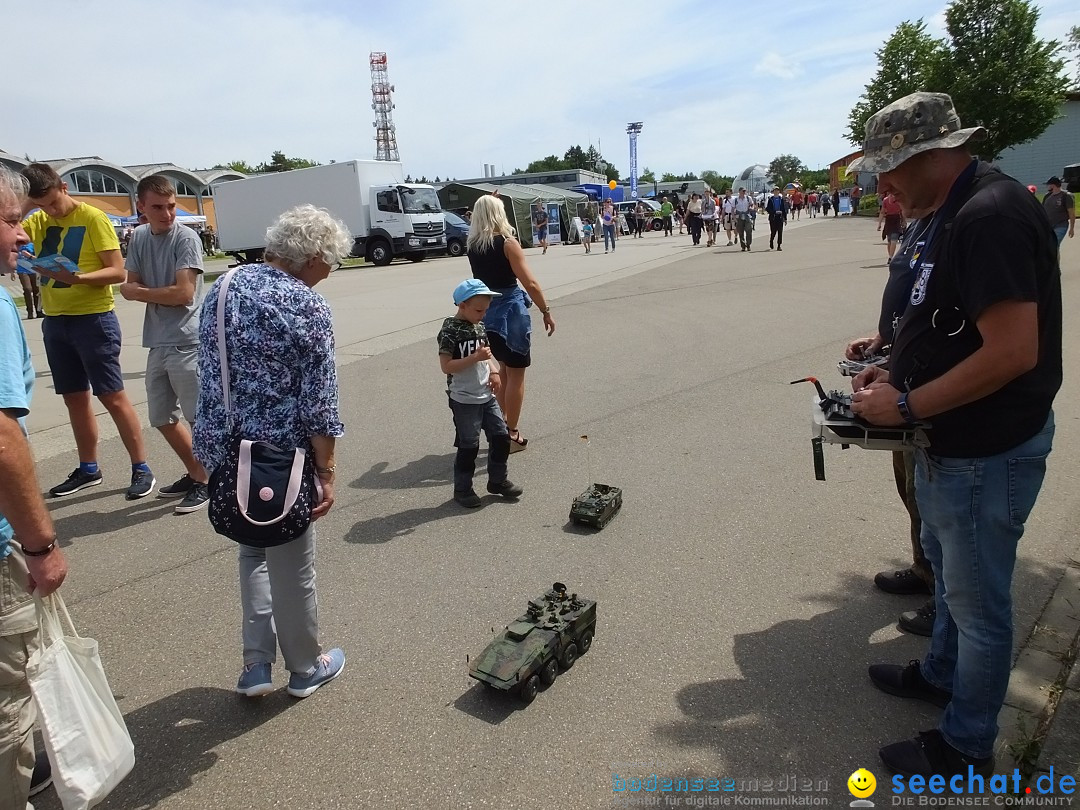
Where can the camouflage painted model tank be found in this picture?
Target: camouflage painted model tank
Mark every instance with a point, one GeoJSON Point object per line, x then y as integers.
{"type": "Point", "coordinates": [596, 506]}
{"type": "Point", "coordinates": [554, 631]}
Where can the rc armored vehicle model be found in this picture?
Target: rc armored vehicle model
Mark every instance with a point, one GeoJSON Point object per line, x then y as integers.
{"type": "Point", "coordinates": [555, 630]}
{"type": "Point", "coordinates": [596, 506]}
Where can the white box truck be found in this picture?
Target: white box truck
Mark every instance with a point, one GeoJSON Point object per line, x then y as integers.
{"type": "Point", "coordinates": [387, 217]}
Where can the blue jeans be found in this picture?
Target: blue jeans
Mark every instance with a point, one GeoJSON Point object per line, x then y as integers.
{"type": "Point", "coordinates": [1061, 230]}
{"type": "Point", "coordinates": [609, 233]}
{"type": "Point", "coordinates": [469, 420]}
{"type": "Point", "coordinates": [973, 512]}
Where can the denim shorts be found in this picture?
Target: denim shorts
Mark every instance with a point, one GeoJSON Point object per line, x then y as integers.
{"type": "Point", "coordinates": [84, 353]}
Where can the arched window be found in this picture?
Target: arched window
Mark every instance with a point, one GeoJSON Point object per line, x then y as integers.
{"type": "Point", "coordinates": [183, 189]}
{"type": "Point", "coordinates": [91, 181]}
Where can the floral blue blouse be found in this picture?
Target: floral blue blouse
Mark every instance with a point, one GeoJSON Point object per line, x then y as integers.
{"type": "Point", "coordinates": [280, 346]}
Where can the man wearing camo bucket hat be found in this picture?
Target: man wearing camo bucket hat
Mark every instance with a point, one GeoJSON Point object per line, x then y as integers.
{"type": "Point", "coordinates": [977, 355]}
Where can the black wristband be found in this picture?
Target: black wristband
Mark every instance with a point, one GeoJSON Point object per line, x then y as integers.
{"type": "Point", "coordinates": [41, 552]}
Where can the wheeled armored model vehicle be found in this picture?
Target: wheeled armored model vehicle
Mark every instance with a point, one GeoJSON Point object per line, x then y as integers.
{"type": "Point", "coordinates": [554, 631]}
{"type": "Point", "coordinates": [596, 506]}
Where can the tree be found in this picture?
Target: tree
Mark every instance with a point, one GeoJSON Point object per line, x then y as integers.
{"type": "Point", "coordinates": [280, 163]}
{"type": "Point", "coordinates": [999, 74]}
{"type": "Point", "coordinates": [786, 168]}
{"type": "Point", "coordinates": [551, 163]}
{"type": "Point", "coordinates": [647, 176]}
{"type": "Point", "coordinates": [668, 177]}
{"type": "Point", "coordinates": [717, 182]}
{"type": "Point", "coordinates": [1073, 47]}
{"type": "Point", "coordinates": [905, 65]}
{"type": "Point", "coordinates": [241, 166]}
{"type": "Point", "coordinates": [575, 158]}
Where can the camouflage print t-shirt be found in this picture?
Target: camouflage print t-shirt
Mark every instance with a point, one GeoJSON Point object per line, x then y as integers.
{"type": "Point", "coordinates": [459, 338]}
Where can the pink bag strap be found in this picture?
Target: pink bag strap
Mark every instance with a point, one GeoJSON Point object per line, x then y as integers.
{"type": "Point", "coordinates": [223, 357]}
{"type": "Point", "coordinates": [243, 482]}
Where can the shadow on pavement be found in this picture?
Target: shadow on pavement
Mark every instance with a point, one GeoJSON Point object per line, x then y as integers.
{"type": "Point", "coordinates": [175, 738]}
{"type": "Point", "coordinates": [804, 695]}
{"type": "Point", "coordinates": [85, 524]}
{"type": "Point", "coordinates": [488, 704]}
{"type": "Point", "coordinates": [430, 471]}
{"type": "Point", "coordinates": [401, 524]}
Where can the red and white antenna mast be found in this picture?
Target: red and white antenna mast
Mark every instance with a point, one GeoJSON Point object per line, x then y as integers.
{"type": "Point", "coordinates": [382, 102]}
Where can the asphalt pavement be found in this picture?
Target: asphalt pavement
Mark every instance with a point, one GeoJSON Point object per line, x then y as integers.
{"type": "Point", "coordinates": [737, 613]}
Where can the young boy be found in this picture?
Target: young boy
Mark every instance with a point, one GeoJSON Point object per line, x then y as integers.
{"type": "Point", "coordinates": [586, 235]}
{"type": "Point", "coordinates": [473, 379]}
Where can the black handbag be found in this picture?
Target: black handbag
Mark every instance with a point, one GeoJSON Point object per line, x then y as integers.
{"type": "Point", "coordinates": [261, 495]}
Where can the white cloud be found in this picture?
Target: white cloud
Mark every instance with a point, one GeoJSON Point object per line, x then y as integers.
{"type": "Point", "coordinates": [781, 67]}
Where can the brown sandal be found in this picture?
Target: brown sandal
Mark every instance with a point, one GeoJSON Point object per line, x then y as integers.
{"type": "Point", "coordinates": [517, 441]}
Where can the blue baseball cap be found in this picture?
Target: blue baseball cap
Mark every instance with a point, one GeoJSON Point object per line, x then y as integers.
{"type": "Point", "coordinates": [470, 287]}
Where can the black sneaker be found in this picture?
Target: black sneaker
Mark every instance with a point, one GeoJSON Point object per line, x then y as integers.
{"type": "Point", "coordinates": [904, 582]}
{"type": "Point", "coordinates": [921, 621]}
{"type": "Point", "coordinates": [42, 776]}
{"type": "Point", "coordinates": [908, 682]}
{"type": "Point", "coordinates": [929, 755]}
{"type": "Point", "coordinates": [197, 497]}
{"type": "Point", "coordinates": [467, 498]}
{"type": "Point", "coordinates": [76, 481]}
{"type": "Point", "coordinates": [178, 488]}
{"type": "Point", "coordinates": [142, 484]}
{"type": "Point", "coordinates": [505, 488]}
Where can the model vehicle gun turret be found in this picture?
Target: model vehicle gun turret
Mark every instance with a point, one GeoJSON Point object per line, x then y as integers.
{"type": "Point", "coordinates": [555, 630]}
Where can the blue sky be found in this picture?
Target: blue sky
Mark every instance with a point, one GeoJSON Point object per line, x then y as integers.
{"type": "Point", "coordinates": [717, 85]}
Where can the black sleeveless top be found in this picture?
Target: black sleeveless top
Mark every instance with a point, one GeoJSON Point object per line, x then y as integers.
{"type": "Point", "coordinates": [492, 267]}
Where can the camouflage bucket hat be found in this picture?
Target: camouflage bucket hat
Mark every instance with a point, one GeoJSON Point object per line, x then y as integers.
{"type": "Point", "coordinates": [916, 123]}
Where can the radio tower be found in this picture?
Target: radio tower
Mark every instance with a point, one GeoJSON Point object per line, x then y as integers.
{"type": "Point", "coordinates": [382, 103]}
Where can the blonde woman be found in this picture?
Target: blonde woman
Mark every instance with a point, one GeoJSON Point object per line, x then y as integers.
{"type": "Point", "coordinates": [497, 260]}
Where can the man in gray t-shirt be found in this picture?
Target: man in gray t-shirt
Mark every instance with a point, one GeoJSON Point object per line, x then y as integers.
{"type": "Point", "coordinates": [164, 265]}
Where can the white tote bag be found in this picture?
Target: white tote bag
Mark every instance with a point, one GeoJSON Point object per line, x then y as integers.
{"type": "Point", "coordinates": [86, 739]}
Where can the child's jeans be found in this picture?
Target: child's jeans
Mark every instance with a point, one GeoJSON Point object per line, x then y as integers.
{"type": "Point", "coordinates": [469, 420]}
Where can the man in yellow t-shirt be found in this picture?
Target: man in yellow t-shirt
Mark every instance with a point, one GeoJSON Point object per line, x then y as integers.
{"type": "Point", "coordinates": [80, 329]}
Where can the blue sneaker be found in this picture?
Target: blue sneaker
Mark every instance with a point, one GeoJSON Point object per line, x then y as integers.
{"type": "Point", "coordinates": [330, 665]}
{"type": "Point", "coordinates": [255, 680]}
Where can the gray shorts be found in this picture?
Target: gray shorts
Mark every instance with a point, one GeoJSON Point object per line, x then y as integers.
{"type": "Point", "coordinates": [172, 384]}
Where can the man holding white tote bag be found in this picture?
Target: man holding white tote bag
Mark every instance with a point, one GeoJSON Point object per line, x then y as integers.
{"type": "Point", "coordinates": [34, 561]}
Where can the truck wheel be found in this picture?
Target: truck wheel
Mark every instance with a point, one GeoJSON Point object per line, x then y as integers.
{"type": "Point", "coordinates": [379, 253]}
{"type": "Point", "coordinates": [529, 689]}
{"type": "Point", "coordinates": [585, 642]}
{"type": "Point", "coordinates": [658, 225]}
{"type": "Point", "coordinates": [455, 248]}
{"type": "Point", "coordinates": [569, 656]}
{"type": "Point", "coordinates": [550, 672]}
{"type": "Point", "coordinates": [414, 257]}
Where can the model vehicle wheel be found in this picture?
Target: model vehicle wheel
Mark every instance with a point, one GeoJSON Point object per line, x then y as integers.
{"type": "Point", "coordinates": [529, 689]}
{"type": "Point", "coordinates": [455, 247]}
{"type": "Point", "coordinates": [585, 642]}
{"type": "Point", "coordinates": [569, 656]}
{"type": "Point", "coordinates": [414, 257]}
{"type": "Point", "coordinates": [379, 253]}
{"type": "Point", "coordinates": [550, 672]}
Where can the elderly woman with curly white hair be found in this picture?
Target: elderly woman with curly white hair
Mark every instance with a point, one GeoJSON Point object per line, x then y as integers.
{"type": "Point", "coordinates": [280, 341]}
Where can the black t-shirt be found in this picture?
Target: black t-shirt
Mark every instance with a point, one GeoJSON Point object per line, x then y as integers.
{"type": "Point", "coordinates": [894, 299]}
{"type": "Point", "coordinates": [492, 267]}
{"type": "Point", "coordinates": [998, 247]}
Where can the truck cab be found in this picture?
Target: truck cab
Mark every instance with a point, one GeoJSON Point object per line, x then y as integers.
{"type": "Point", "coordinates": [406, 220]}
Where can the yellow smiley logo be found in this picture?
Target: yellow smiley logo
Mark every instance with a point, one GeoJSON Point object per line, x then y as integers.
{"type": "Point", "coordinates": [861, 783]}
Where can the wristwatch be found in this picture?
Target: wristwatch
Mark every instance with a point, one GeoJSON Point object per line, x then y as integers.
{"type": "Point", "coordinates": [327, 470]}
{"type": "Point", "coordinates": [545, 311]}
{"type": "Point", "coordinates": [905, 411]}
